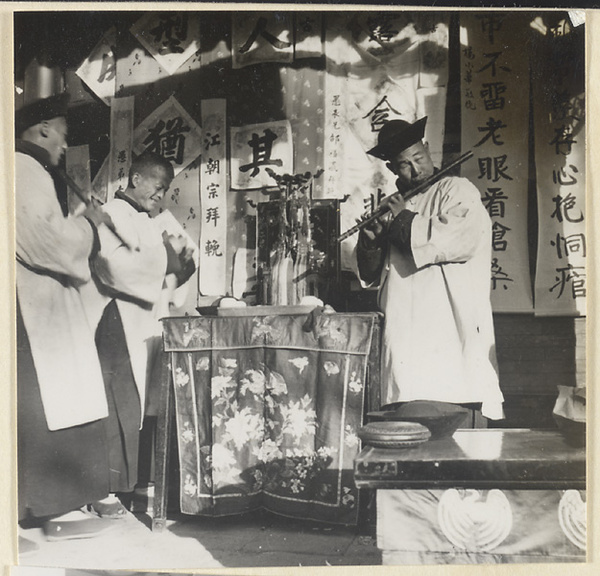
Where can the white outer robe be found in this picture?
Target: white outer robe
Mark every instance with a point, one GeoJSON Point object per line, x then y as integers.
{"type": "Point", "coordinates": [134, 275]}
{"type": "Point", "coordinates": [52, 263]}
{"type": "Point", "coordinates": [438, 340]}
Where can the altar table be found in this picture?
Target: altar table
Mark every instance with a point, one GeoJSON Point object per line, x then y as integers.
{"type": "Point", "coordinates": [267, 410]}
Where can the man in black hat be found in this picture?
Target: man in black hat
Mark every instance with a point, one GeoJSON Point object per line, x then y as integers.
{"type": "Point", "coordinates": [430, 256]}
{"type": "Point", "coordinates": [60, 392]}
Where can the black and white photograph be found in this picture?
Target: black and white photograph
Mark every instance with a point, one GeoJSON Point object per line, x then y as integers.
{"type": "Point", "coordinates": [300, 287]}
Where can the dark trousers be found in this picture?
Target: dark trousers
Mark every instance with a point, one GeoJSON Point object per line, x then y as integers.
{"type": "Point", "coordinates": [123, 422]}
{"type": "Point", "coordinates": [59, 470]}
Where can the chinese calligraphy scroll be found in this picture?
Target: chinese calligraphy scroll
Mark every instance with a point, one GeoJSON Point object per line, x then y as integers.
{"type": "Point", "coordinates": [99, 69]}
{"type": "Point", "coordinates": [170, 37]}
{"type": "Point", "coordinates": [559, 113]}
{"type": "Point", "coordinates": [121, 136]}
{"type": "Point", "coordinates": [213, 200]}
{"type": "Point", "coordinates": [380, 67]}
{"type": "Point", "coordinates": [171, 132]}
{"type": "Point", "coordinates": [495, 121]}
{"type": "Point", "coordinates": [259, 146]}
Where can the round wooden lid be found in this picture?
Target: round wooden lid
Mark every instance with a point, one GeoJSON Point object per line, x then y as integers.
{"type": "Point", "coordinates": [394, 434]}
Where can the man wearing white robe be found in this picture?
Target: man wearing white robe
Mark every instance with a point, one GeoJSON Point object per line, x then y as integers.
{"type": "Point", "coordinates": [136, 272]}
{"type": "Point", "coordinates": [431, 257]}
{"type": "Point", "coordinates": [61, 402]}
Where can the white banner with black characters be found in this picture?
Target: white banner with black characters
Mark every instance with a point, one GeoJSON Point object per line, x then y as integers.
{"type": "Point", "coordinates": [495, 121]}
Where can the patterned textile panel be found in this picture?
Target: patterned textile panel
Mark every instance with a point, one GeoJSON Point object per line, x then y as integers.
{"type": "Point", "coordinates": [268, 412]}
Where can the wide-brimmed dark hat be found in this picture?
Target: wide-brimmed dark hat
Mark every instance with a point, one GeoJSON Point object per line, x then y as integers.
{"type": "Point", "coordinates": [40, 110]}
{"type": "Point", "coordinates": [397, 135]}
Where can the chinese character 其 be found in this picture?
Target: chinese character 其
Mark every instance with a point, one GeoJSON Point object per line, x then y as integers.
{"type": "Point", "coordinates": [261, 152]}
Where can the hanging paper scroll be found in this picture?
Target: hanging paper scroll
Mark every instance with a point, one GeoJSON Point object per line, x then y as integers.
{"type": "Point", "coordinates": [260, 146]}
{"type": "Point", "coordinates": [559, 112]}
{"type": "Point", "coordinates": [77, 164]}
{"type": "Point", "coordinates": [171, 132]}
{"type": "Point", "coordinates": [213, 200]}
{"type": "Point", "coordinates": [170, 37]}
{"type": "Point", "coordinates": [99, 69]}
{"type": "Point", "coordinates": [121, 136]}
{"type": "Point", "coordinates": [380, 67]}
{"type": "Point", "coordinates": [495, 121]}
{"type": "Point", "coordinates": [261, 37]}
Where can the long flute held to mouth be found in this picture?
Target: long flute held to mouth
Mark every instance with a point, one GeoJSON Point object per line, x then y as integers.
{"type": "Point", "coordinates": [381, 210]}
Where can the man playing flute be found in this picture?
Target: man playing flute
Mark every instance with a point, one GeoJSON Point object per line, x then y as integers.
{"type": "Point", "coordinates": [430, 255]}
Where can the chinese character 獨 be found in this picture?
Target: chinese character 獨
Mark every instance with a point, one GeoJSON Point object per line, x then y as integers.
{"type": "Point", "coordinates": [168, 139]}
{"type": "Point", "coordinates": [490, 129]}
{"type": "Point", "coordinates": [563, 206]}
{"type": "Point", "coordinates": [261, 152]}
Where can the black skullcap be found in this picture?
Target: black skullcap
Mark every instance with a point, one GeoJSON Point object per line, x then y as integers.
{"type": "Point", "coordinates": [40, 110]}
{"type": "Point", "coordinates": [396, 136]}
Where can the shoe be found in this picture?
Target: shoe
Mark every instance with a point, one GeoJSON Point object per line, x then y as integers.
{"type": "Point", "coordinates": [57, 530]}
{"type": "Point", "coordinates": [110, 510]}
{"type": "Point", "coordinates": [26, 547]}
